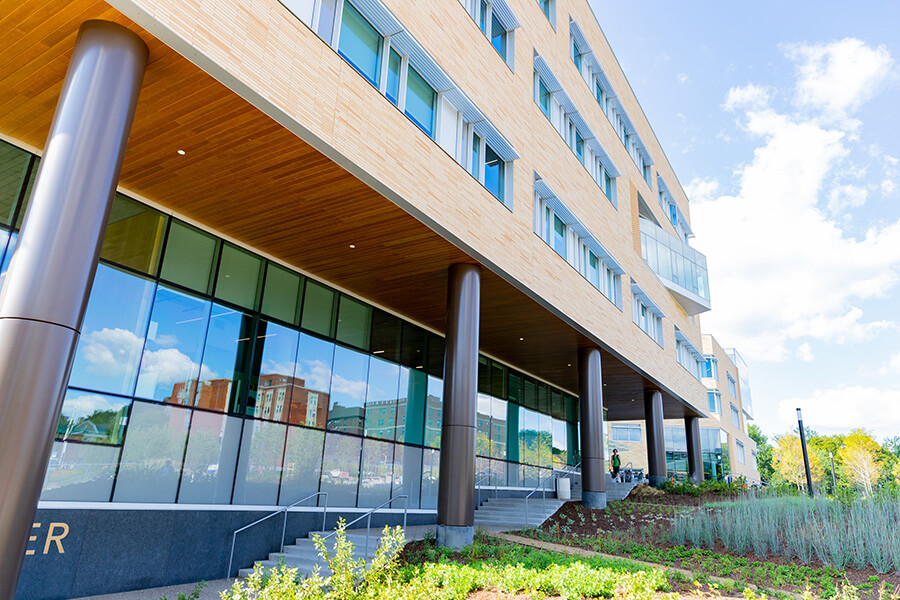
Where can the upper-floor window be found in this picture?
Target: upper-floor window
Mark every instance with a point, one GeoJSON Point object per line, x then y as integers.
{"type": "Point", "coordinates": [714, 399]}
{"type": "Point", "coordinates": [687, 355]}
{"type": "Point", "coordinates": [494, 173]}
{"type": "Point", "coordinates": [548, 7]}
{"type": "Point", "coordinates": [420, 99]}
{"type": "Point", "coordinates": [711, 368]}
{"type": "Point", "coordinates": [741, 455]}
{"type": "Point", "coordinates": [646, 315]}
{"type": "Point", "coordinates": [392, 86]}
{"type": "Point", "coordinates": [543, 97]}
{"type": "Point", "coordinates": [497, 22]}
{"type": "Point", "coordinates": [732, 386]}
{"type": "Point", "coordinates": [625, 433]}
{"type": "Point", "coordinates": [576, 53]}
{"type": "Point", "coordinates": [559, 236]}
{"type": "Point", "coordinates": [735, 416]}
{"type": "Point", "coordinates": [360, 44]}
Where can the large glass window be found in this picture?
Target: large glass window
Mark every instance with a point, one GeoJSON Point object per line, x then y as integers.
{"type": "Point", "coordinates": [311, 397]}
{"type": "Point", "coordinates": [559, 236]}
{"type": "Point", "coordinates": [434, 412]}
{"type": "Point", "coordinates": [13, 169]}
{"type": "Point", "coordinates": [714, 401]}
{"type": "Point", "coordinates": [407, 474]}
{"type": "Point", "coordinates": [377, 475]}
{"type": "Point", "coordinates": [420, 99]}
{"type": "Point", "coordinates": [483, 422]}
{"type": "Point", "coordinates": [494, 173]}
{"type": "Point", "coordinates": [348, 391]}
{"type": "Point", "coordinates": [226, 357]}
{"type": "Point", "coordinates": [735, 416]}
{"type": "Point", "coordinates": [275, 383]}
{"type": "Point", "coordinates": [80, 472]}
{"type": "Point", "coordinates": [560, 448]}
{"type": "Point", "coordinates": [109, 350]}
{"type": "Point", "coordinates": [360, 43]}
{"type": "Point", "coordinates": [340, 468]}
{"type": "Point", "coordinates": [238, 278]}
{"type": "Point", "coordinates": [259, 465]}
{"type": "Point", "coordinates": [354, 322]}
{"type": "Point", "coordinates": [281, 293]}
{"type": "Point", "coordinates": [91, 417]}
{"type": "Point", "coordinates": [318, 308]}
{"type": "Point", "coordinates": [210, 458]}
{"type": "Point", "coordinates": [382, 399]}
{"type": "Point", "coordinates": [498, 428]}
{"type": "Point", "coordinates": [711, 368]}
{"type": "Point", "coordinates": [411, 406]}
{"type": "Point", "coordinates": [134, 234]}
{"type": "Point", "coordinates": [190, 256]}
{"type": "Point", "coordinates": [431, 465]}
{"type": "Point", "coordinates": [151, 458]}
{"type": "Point", "coordinates": [170, 364]}
{"type": "Point", "coordinates": [302, 465]}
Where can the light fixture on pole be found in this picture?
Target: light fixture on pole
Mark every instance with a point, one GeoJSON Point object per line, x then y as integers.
{"type": "Point", "coordinates": [809, 485]}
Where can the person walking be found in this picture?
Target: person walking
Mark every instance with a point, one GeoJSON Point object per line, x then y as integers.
{"type": "Point", "coordinates": [616, 463]}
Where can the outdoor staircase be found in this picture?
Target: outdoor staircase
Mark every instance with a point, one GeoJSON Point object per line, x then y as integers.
{"type": "Point", "coordinates": [508, 514]}
{"type": "Point", "coordinates": [614, 491]}
{"type": "Point", "coordinates": [302, 554]}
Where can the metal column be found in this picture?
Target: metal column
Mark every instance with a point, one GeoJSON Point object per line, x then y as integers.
{"type": "Point", "coordinates": [694, 454]}
{"type": "Point", "coordinates": [656, 444]}
{"type": "Point", "coordinates": [46, 291]}
{"type": "Point", "coordinates": [590, 392]}
{"type": "Point", "coordinates": [456, 482]}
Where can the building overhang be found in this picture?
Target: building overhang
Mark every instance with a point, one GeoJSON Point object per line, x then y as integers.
{"type": "Point", "coordinates": [692, 303]}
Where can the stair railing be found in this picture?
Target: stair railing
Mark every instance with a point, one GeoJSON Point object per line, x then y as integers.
{"type": "Point", "coordinates": [486, 477]}
{"type": "Point", "coordinates": [554, 475]}
{"type": "Point", "coordinates": [368, 516]}
{"type": "Point", "coordinates": [283, 527]}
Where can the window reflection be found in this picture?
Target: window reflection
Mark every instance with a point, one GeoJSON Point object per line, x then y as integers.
{"type": "Point", "coordinates": [134, 234]}
{"type": "Point", "coordinates": [377, 474]}
{"type": "Point", "coordinates": [210, 458]}
{"type": "Point", "coordinates": [431, 464]}
{"type": "Point", "coordinates": [80, 472]}
{"type": "Point", "coordinates": [382, 400]}
{"type": "Point", "coordinates": [91, 417]}
{"type": "Point", "coordinates": [112, 338]}
{"type": "Point", "coordinates": [340, 469]}
{"type": "Point", "coordinates": [151, 458]}
{"type": "Point", "coordinates": [259, 465]}
{"type": "Point", "coordinates": [225, 358]}
{"type": "Point", "coordinates": [170, 364]}
{"type": "Point", "coordinates": [311, 400]}
{"type": "Point", "coordinates": [275, 383]}
{"type": "Point", "coordinates": [407, 473]}
{"type": "Point", "coordinates": [302, 465]}
{"type": "Point", "coordinates": [434, 412]}
{"type": "Point", "coordinates": [348, 391]}
{"type": "Point", "coordinates": [498, 428]}
{"type": "Point", "coordinates": [411, 409]}
{"type": "Point", "coordinates": [483, 422]}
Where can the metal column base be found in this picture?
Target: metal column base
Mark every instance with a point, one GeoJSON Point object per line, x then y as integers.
{"type": "Point", "coordinates": [594, 500]}
{"type": "Point", "coordinates": [657, 480]}
{"type": "Point", "coordinates": [455, 538]}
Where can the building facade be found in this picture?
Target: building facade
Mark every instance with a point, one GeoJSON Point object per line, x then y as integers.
{"type": "Point", "coordinates": [320, 202]}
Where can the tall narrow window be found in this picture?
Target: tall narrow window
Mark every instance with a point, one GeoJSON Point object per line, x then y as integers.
{"type": "Point", "coordinates": [607, 184]}
{"type": "Point", "coordinates": [393, 77]}
{"type": "Point", "coordinates": [360, 43]}
{"type": "Point", "coordinates": [475, 165]}
{"type": "Point", "coordinates": [579, 147]}
{"type": "Point", "coordinates": [482, 17]}
{"type": "Point", "coordinates": [598, 92]}
{"type": "Point", "coordinates": [546, 9]}
{"type": "Point", "coordinates": [594, 269]}
{"type": "Point", "coordinates": [420, 99]}
{"type": "Point", "coordinates": [543, 98]}
{"type": "Point", "coordinates": [576, 55]}
{"type": "Point", "coordinates": [559, 236]}
{"type": "Point", "coordinates": [498, 37]}
{"type": "Point", "coordinates": [494, 173]}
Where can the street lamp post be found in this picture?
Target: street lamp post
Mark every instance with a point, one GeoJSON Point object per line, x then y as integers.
{"type": "Point", "coordinates": [809, 485]}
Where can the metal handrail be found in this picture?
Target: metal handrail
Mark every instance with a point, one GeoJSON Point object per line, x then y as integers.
{"type": "Point", "coordinates": [283, 528]}
{"type": "Point", "coordinates": [369, 521]}
{"type": "Point", "coordinates": [555, 474]}
{"type": "Point", "coordinates": [488, 476]}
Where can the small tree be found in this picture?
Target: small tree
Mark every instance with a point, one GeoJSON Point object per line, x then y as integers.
{"type": "Point", "coordinates": [764, 452]}
{"type": "Point", "coordinates": [859, 456]}
{"type": "Point", "coordinates": [788, 461]}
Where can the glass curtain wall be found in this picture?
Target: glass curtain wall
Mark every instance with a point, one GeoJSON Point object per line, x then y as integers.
{"type": "Point", "coordinates": [206, 374]}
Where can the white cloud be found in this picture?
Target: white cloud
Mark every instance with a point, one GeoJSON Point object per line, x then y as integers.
{"type": "Point", "coordinates": [804, 352]}
{"type": "Point", "coordinates": [110, 352]}
{"type": "Point", "coordinates": [838, 77]}
{"type": "Point", "coordinates": [892, 365]}
{"type": "Point", "coordinates": [683, 78]}
{"type": "Point", "coordinates": [351, 387]}
{"type": "Point", "coordinates": [842, 409]}
{"type": "Point", "coordinates": [842, 197]}
{"type": "Point", "coordinates": [701, 190]}
{"type": "Point", "coordinates": [750, 96]}
{"type": "Point", "coordinates": [781, 270]}
{"type": "Point", "coordinates": [167, 366]}
{"type": "Point", "coordinates": [84, 405]}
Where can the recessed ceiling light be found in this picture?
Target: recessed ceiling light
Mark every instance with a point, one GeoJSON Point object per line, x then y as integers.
{"type": "Point", "coordinates": [353, 245]}
{"type": "Point", "coordinates": [180, 152]}
{"type": "Point", "coordinates": [569, 365]}
{"type": "Point", "coordinates": [521, 339]}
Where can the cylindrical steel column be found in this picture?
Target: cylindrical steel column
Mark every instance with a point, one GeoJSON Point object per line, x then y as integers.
{"type": "Point", "coordinates": [656, 443]}
{"type": "Point", "coordinates": [694, 455]}
{"type": "Point", "coordinates": [456, 483]}
{"type": "Point", "coordinates": [590, 392]}
{"type": "Point", "coordinates": [46, 291]}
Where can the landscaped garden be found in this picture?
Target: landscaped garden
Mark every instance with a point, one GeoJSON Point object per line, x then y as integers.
{"type": "Point", "coordinates": [710, 542]}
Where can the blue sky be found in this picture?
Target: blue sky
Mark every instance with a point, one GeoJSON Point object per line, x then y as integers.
{"type": "Point", "coordinates": [781, 122]}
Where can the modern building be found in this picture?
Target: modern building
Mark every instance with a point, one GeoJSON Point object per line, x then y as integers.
{"type": "Point", "coordinates": [728, 451]}
{"type": "Point", "coordinates": [368, 248]}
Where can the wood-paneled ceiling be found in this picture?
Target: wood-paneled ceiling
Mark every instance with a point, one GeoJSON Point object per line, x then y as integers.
{"type": "Point", "coordinates": [246, 176]}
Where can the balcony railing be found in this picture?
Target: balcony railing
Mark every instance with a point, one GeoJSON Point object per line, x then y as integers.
{"type": "Point", "coordinates": [681, 268]}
